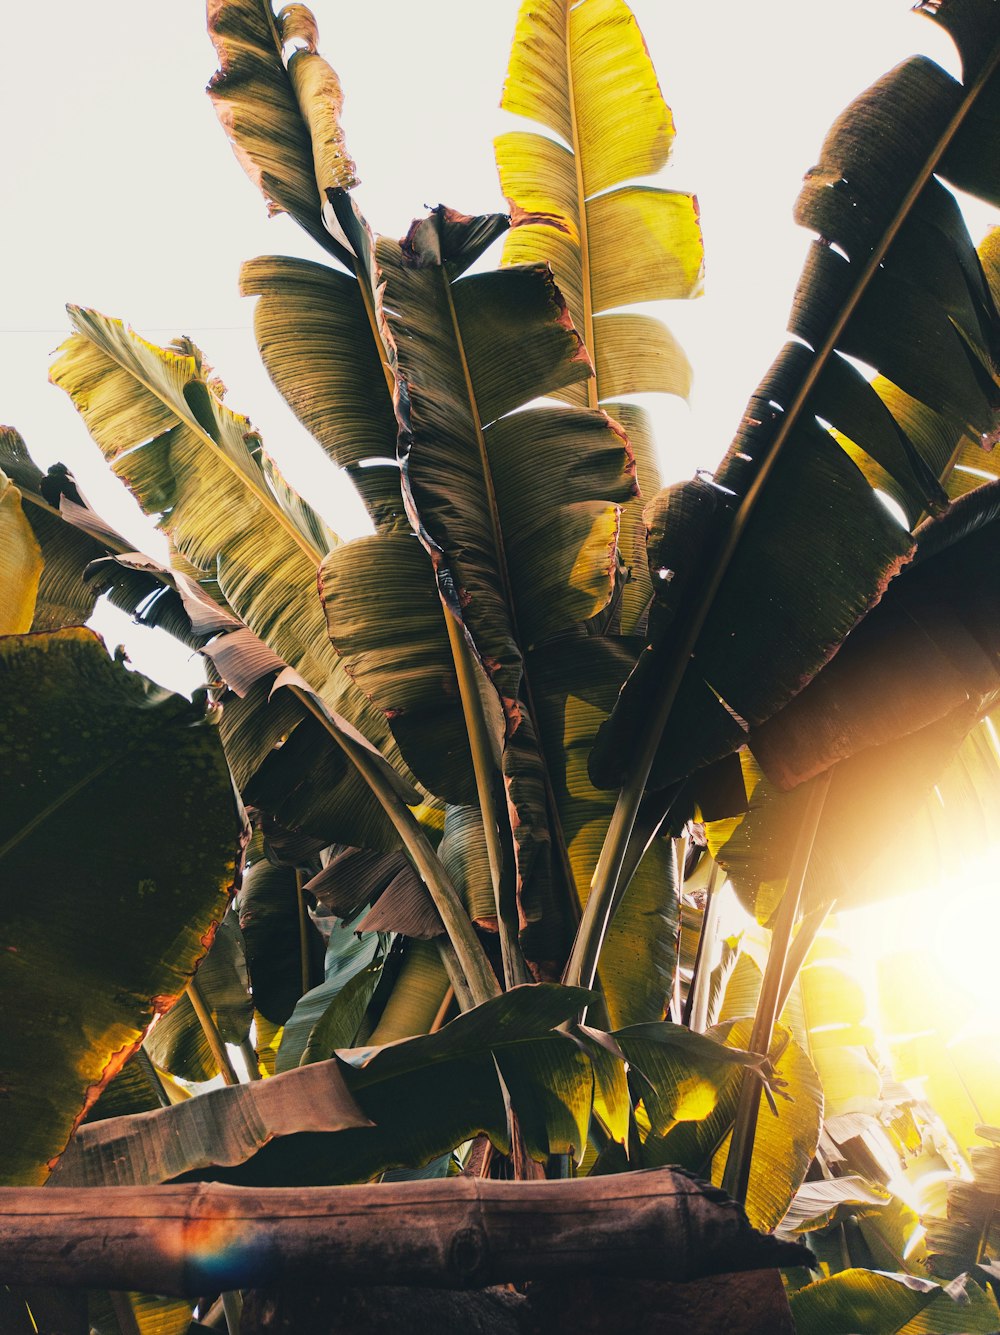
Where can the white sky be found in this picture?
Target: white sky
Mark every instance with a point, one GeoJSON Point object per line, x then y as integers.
{"type": "Point", "coordinates": [121, 191]}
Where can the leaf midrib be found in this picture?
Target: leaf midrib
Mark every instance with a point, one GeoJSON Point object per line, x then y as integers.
{"type": "Point", "coordinates": [593, 398]}
{"type": "Point", "coordinates": [261, 494]}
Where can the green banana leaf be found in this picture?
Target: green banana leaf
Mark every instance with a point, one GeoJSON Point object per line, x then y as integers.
{"type": "Point", "coordinates": [466, 353]}
{"type": "Point", "coordinates": [584, 74]}
{"type": "Point", "coordinates": [929, 647]}
{"type": "Point", "coordinates": [317, 343]}
{"type": "Point", "coordinates": [328, 1016]}
{"type": "Point", "coordinates": [576, 681]}
{"type": "Point", "coordinates": [896, 714]}
{"type": "Point", "coordinates": [787, 1132]}
{"type": "Point", "coordinates": [119, 804]}
{"type": "Point", "coordinates": [415, 1000]}
{"type": "Point", "coordinates": [880, 1304]}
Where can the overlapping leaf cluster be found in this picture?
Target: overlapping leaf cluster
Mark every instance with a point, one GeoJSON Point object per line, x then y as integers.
{"type": "Point", "coordinates": [456, 733]}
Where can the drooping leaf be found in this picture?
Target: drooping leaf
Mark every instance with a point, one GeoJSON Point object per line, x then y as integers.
{"type": "Point", "coordinates": [928, 648]}
{"type": "Point", "coordinates": [818, 502]}
{"type": "Point", "coordinates": [220, 1127]}
{"type": "Point", "coordinates": [316, 340]}
{"type": "Point", "coordinates": [421, 1097]}
{"type": "Point", "coordinates": [121, 806]}
{"type": "Point", "coordinates": [816, 1204]}
{"type": "Point", "coordinates": [199, 466]}
{"type": "Point", "coordinates": [928, 787]}
{"type": "Point", "coordinates": [69, 531]}
{"type": "Point", "coordinates": [970, 1231]}
{"type": "Point", "coordinates": [786, 1138]}
{"type": "Point", "coordinates": [679, 1075]}
{"type": "Point", "coordinates": [279, 102]}
{"type": "Point", "coordinates": [286, 763]}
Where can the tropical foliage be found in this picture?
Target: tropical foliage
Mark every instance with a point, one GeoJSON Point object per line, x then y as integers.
{"type": "Point", "coordinates": [498, 763]}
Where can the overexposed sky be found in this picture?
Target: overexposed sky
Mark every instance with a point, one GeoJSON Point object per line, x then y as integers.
{"type": "Point", "coordinates": [121, 192]}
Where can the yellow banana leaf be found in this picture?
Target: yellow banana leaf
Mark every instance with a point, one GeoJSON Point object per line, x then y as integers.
{"type": "Point", "coordinates": [20, 562]}
{"type": "Point", "coordinates": [196, 464]}
{"type": "Point", "coordinates": [584, 73]}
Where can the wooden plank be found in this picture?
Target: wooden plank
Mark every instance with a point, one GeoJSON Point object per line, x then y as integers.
{"type": "Point", "coordinates": [453, 1233]}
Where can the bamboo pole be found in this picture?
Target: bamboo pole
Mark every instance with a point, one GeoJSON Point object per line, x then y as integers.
{"type": "Point", "coordinates": [452, 1233]}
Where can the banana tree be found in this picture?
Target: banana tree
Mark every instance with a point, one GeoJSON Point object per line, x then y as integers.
{"type": "Point", "coordinates": [470, 758]}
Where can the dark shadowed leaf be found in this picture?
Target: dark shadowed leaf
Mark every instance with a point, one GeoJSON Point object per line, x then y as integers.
{"type": "Point", "coordinates": [117, 801]}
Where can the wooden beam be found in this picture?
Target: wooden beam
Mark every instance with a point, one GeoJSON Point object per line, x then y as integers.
{"type": "Point", "coordinates": [452, 1233]}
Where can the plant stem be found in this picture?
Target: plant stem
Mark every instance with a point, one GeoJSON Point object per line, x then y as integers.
{"type": "Point", "coordinates": [456, 977]}
{"type": "Point", "coordinates": [211, 1032]}
{"type": "Point", "coordinates": [250, 1057]}
{"type": "Point", "coordinates": [472, 958]}
{"type": "Point", "coordinates": [679, 848]}
{"type": "Point", "coordinates": [144, 1060]}
{"type": "Point", "coordinates": [809, 929]}
{"type": "Point", "coordinates": [443, 1010]}
{"type": "Point", "coordinates": [232, 1305]}
{"type": "Point", "coordinates": [515, 970]}
{"type": "Point", "coordinates": [699, 992]}
{"type": "Point", "coordinates": [303, 933]}
{"type": "Point", "coordinates": [773, 988]}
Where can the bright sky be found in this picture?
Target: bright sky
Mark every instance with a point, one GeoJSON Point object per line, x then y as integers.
{"type": "Point", "coordinates": [122, 193]}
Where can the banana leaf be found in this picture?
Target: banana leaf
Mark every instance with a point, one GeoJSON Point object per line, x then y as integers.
{"type": "Point", "coordinates": [369, 1109]}
{"type": "Point", "coordinates": [328, 1016]}
{"type": "Point", "coordinates": [317, 343]}
{"type": "Point", "coordinates": [279, 102]}
{"type": "Point", "coordinates": [787, 1130]}
{"type": "Point", "coordinates": [118, 801]}
{"type": "Point", "coordinates": [162, 425]}
{"type": "Point", "coordinates": [892, 257]}
{"type": "Point", "coordinates": [584, 74]}
{"type": "Point", "coordinates": [466, 353]}
{"type": "Point", "coordinates": [891, 1305]}
{"type": "Point", "coordinates": [275, 938]}
{"type": "Point", "coordinates": [896, 713]}
{"type": "Point", "coordinates": [970, 1230]}
{"type": "Point", "coordinates": [576, 681]}
{"type": "Point", "coordinates": [928, 648]}
{"type": "Point", "coordinates": [20, 562]}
